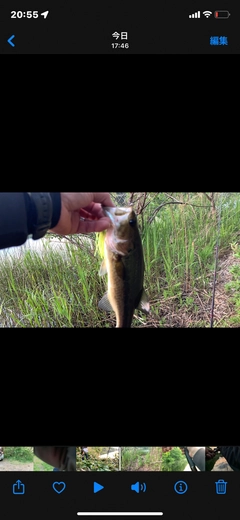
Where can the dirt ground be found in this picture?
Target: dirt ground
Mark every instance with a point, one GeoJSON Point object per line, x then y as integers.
{"type": "Point", "coordinates": [221, 465]}
{"type": "Point", "coordinates": [6, 465]}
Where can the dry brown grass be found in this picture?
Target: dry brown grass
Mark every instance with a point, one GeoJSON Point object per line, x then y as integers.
{"type": "Point", "coordinates": [197, 314]}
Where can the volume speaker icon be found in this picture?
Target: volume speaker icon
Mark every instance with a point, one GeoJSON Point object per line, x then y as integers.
{"type": "Point", "coordinates": [139, 487]}
{"type": "Point", "coordinates": [195, 15]}
{"type": "Point", "coordinates": [207, 13]}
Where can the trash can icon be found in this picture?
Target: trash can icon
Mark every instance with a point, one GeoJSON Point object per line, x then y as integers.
{"type": "Point", "coordinates": [221, 487]}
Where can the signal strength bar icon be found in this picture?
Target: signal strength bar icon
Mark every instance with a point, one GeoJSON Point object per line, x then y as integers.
{"type": "Point", "coordinates": [195, 15]}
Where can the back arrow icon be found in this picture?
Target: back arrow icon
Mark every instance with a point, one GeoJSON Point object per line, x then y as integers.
{"type": "Point", "coordinates": [10, 40]}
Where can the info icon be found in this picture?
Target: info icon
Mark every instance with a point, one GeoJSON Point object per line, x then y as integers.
{"type": "Point", "coordinates": [180, 487]}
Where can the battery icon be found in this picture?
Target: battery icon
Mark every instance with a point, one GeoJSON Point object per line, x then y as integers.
{"type": "Point", "coordinates": [222, 15]}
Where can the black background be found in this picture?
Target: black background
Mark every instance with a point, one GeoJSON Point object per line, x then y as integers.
{"type": "Point", "coordinates": [86, 27]}
{"type": "Point", "coordinates": [49, 397]}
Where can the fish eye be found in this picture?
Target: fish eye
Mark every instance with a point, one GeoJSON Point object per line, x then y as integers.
{"type": "Point", "coordinates": [132, 222]}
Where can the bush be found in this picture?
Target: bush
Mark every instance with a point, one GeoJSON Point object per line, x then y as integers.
{"type": "Point", "coordinates": [19, 453]}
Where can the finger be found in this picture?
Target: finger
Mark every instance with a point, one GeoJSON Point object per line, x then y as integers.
{"type": "Point", "coordinates": [94, 226]}
{"type": "Point", "coordinates": [92, 211]}
{"type": "Point", "coordinates": [103, 198]}
{"type": "Point", "coordinates": [87, 215]}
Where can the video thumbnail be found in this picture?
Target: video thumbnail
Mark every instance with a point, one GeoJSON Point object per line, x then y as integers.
{"type": "Point", "coordinates": [222, 458]}
{"type": "Point", "coordinates": [40, 465]}
{"type": "Point", "coordinates": [97, 458]}
{"type": "Point", "coordinates": [54, 458]}
{"type": "Point", "coordinates": [16, 458]}
{"type": "Point", "coordinates": [162, 458]}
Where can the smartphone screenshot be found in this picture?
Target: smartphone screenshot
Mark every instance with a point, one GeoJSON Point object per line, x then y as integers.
{"type": "Point", "coordinates": [71, 482]}
{"type": "Point", "coordinates": [119, 27]}
{"type": "Point", "coordinates": [183, 261]}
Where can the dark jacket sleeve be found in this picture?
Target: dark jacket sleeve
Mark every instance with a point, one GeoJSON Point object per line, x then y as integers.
{"type": "Point", "coordinates": [17, 217]}
{"type": "Point", "coordinates": [56, 202]}
{"type": "Point", "coordinates": [13, 220]}
{"type": "Point", "coordinates": [61, 457]}
{"type": "Point", "coordinates": [232, 456]}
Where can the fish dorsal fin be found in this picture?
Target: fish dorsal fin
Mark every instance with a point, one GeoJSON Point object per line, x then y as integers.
{"type": "Point", "coordinates": [105, 303]}
{"type": "Point", "coordinates": [144, 305]}
{"type": "Point", "coordinates": [103, 268]}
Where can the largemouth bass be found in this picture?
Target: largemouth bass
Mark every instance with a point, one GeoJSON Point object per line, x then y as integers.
{"type": "Point", "coordinates": [124, 264]}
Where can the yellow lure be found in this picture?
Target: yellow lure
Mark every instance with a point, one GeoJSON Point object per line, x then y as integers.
{"type": "Point", "coordinates": [100, 238]}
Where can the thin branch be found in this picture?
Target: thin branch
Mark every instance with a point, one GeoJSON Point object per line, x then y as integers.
{"type": "Point", "coordinates": [175, 202]}
{"type": "Point", "coordinates": [206, 195]}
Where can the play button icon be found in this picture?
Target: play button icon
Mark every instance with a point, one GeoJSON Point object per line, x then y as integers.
{"type": "Point", "coordinates": [97, 487]}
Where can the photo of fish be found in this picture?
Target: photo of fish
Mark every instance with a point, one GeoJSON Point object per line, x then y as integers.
{"type": "Point", "coordinates": [124, 265]}
{"type": "Point", "coordinates": [150, 265]}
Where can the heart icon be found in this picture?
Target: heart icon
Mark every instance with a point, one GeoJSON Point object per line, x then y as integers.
{"type": "Point", "coordinates": [59, 487]}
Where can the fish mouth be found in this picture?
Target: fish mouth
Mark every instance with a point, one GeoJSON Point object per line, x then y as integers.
{"type": "Point", "coordinates": [112, 213]}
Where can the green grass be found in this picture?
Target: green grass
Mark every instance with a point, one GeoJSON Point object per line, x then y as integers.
{"type": "Point", "coordinates": [54, 290]}
{"type": "Point", "coordinates": [137, 459]}
{"type": "Point", "coordinates": [62, 289]}
{"type": "Point", "coordinates": [180, 253]}
{"type": "Point", "coordinates": [233, 287]}
{"type": "Point", "coordinates": [39, 465]}
{"type": "Point", "coordinates": [21, 454]}
{"type": "Point", "coordinates": [174, 460]}
{"type": "Point", "coordinates": [132, 458]}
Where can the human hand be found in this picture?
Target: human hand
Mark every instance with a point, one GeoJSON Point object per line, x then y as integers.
{"type": "Point", "coordinates": [210, 453]}
{"type": "Point", "coordinates": [75, 207]}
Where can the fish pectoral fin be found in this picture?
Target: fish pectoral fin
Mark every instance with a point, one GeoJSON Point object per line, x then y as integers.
{"type": "Point", "coordinates": [105, 303]}
{"type": "Point", "coordinates": [144, 305]}
{"type": "Point", "coordinates": [103, 269]}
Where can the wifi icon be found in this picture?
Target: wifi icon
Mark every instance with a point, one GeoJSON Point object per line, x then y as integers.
{"type": "Point", "coordinates": [207, 13]}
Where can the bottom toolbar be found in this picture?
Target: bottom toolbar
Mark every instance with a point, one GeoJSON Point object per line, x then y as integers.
{"type": "Point", "coordinates": [172, 495]}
